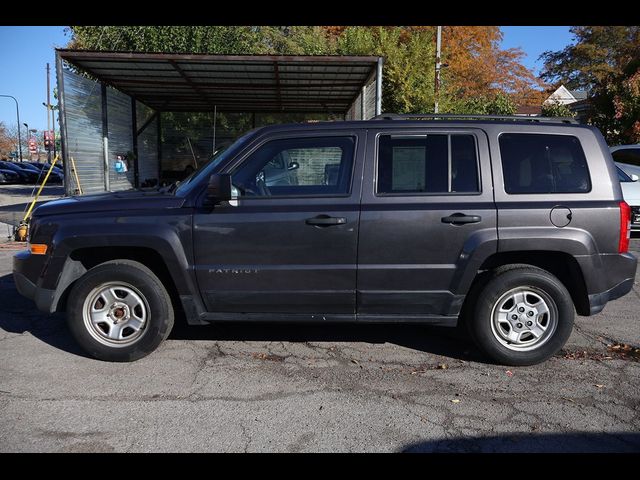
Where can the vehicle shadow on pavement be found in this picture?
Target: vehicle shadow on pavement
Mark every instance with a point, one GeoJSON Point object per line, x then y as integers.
{"type": "Point", "coordinates": [448, 342]}
{"type": "Point", "coordinates": [579, 442]}
{"type": "Point", "coordinates": [19, 315]}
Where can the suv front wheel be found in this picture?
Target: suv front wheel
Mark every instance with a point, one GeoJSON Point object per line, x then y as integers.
{"type": "Point", "coordinates": [522, 316]}
{"type": "Point", "coordinates": [119, 311]}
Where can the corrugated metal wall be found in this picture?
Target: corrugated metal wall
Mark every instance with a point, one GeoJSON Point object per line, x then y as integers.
{"type": "Point", "coordinates": [355, 112]}
{"type": "Point", "coordinates": [83, 117]}
{"type": "Point", "coordinates": [370, 101]}
{"type": "Point", "coordinates": [120, 139]}
{"type": "Point", "coordinates": [83, 120]}
{"type": "Point", "coordinates": [147, 145]}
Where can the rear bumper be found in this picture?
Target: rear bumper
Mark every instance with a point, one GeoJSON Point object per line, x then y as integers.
{"type": "Point", "coordinates": [597, 301]}
{"type": "Point", "coordinates": [26, 272]}
{"type": "Point", "coordinates": [612, 277]}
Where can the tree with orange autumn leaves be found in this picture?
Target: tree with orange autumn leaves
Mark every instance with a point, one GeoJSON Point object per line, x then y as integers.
{"type": "Point", "coordinates": [604, 61]}
{"type": "Point", "coordinates": [8, 140]}
{"type": "Point", "coordinates": [476, 65]}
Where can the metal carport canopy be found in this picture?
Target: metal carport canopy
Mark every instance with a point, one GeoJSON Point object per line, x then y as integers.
{"type": "Point", "coordinates": [240, 83]}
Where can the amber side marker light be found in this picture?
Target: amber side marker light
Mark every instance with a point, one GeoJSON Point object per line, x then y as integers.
{"type": "Point", "coordinates": [38, 249]}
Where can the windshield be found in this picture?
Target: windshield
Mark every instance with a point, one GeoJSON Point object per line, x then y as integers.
{"type": "Point", "coordinates": [211, 166]}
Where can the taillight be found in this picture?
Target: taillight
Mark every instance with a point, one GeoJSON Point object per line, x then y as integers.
{"type": "Point", "coordinates": [625, 227]}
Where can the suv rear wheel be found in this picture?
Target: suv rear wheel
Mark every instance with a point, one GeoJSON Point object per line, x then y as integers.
{"type": "Point", "coordinates": [522, 316]}
{"type": "Point", "coordinates": [119, 311]}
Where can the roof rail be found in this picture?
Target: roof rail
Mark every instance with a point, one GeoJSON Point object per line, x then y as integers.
{"type": "Point", "coordinates": [406, 116]}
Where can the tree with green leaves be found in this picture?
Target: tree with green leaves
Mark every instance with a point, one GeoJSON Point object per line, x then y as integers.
{"type": "Point", "coordinates": [408, 73]}
{"type": "Point", "coordinates": [168, 39]}
{"type": "Point", "coordinates": [499, 104]}
{"type": "Point", "coordinates": [557, 109]}
{"type": "Point", "coordinates": [604, 61]}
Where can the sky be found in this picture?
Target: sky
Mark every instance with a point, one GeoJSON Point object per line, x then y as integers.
{"type": "Point", "coordinates": [24, 52]}
{"type": "Point", "coordinates": [534, 41]}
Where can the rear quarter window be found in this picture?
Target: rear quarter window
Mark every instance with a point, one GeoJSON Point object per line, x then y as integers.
{"type": "Point", "coordinates": [630, 156]}
{"type": "Point", "coordinates": [543, 163]}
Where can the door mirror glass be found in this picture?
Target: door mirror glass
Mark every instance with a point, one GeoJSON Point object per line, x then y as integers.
{"type": "Point", "coordinates": [219, 187]}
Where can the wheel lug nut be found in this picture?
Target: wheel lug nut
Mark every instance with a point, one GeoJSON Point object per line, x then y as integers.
{"type": "Point", "coordinates": [514, 317]}
{"type": "Point", "coordinates": [521, 309]}
{"type": "Point", "coordinates": [519, 325]}
{"type": "Point", "coordinates": [530, 313]}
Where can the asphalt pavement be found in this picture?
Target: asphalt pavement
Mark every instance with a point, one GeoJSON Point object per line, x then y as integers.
{"type": "Point", "coordinates": [315, 388]}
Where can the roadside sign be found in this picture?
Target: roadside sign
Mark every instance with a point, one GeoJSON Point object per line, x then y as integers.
{"type": "Point", "coordinates": [33, 145]}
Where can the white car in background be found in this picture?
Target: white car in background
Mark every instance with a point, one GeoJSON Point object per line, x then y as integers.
{"type": "Point", "coordinates": [631, 193]}
{"type": "Point", "coordinates": [627, 157]}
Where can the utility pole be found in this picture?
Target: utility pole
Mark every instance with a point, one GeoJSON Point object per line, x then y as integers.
{"type": "Point", "coordinates": [48, 123]}
{"type": "Point", "coordinates": [53, 128]}
{"type": "Point", "coordinates": [438, 66]}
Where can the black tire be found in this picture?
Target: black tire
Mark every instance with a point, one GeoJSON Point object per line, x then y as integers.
{"type": "Point", "coordinates": [499, 287]}
{"type": "Point", "coordinates": [158, 311]}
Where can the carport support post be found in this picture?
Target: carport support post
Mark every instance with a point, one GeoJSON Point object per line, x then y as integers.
{"type": "Point", "coordinates": [63, 126]}
{"type": "Point", "coordinates": [379, 87]}
{"type": "Point", "coordinates": [159, 148]}
{"type": "Point", "coordinates": [134, 138]}
{"type": "Point", "coordinates": [105, 136]}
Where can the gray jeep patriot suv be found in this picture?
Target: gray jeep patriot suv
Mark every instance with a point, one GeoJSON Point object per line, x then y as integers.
{"type": "Point", "coordinates": [506, 224]}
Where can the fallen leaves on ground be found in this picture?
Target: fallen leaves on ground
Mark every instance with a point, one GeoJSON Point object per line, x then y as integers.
{"type": "Point", "coordinates": [624, 350]}
{"type": "Point", "coordinates": [425, 368]}
{"type": "Point", "coordinates": [268, 357]}
{"type": "Point", "coordinates": [617, 351]}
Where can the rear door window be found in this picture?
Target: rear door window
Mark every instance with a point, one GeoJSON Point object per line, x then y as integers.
{"type": "Point", "coordinates": [427, 164]}
{"type": "Point", "coordinates": [541, 163]}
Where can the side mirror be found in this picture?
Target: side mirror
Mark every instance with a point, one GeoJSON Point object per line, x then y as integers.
{"type": "Point", "coordinates": [293, 166]}
{"type": "Point", "coordinates": [634, 177]}
{"type": "Point", "coordinates": [219, 187]}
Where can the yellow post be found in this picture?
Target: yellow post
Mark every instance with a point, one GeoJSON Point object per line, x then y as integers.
{"type": "Point", "coordinates": [40, 189]}
{"type": "Point", "coordinates": [75, 173]}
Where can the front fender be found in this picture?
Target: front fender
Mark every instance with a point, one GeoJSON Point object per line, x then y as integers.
{"type": "Point", "coordinates": [168, 234]}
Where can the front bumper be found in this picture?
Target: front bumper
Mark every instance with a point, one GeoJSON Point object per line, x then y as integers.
{"type": "Point", "coordinates": [27, 270]}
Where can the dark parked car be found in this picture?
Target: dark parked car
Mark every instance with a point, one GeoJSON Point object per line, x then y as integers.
{"type": "Point", "coordinates": [56, 176]}
{"type": "Point", "coordinates": [8, 176]}
{"type": "Point", "coordinates": [496, 223]}
{"type": "Point", "coordinates": [46, 166]}
{"type": "Point", "coordinates": [26, 175]}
